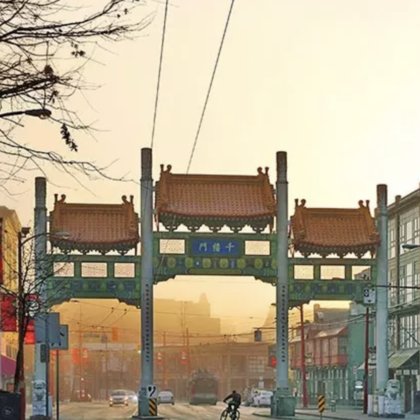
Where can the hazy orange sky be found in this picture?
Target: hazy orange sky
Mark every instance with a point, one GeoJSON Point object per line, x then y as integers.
{"type": "Point", "coordinates": [334, 83]}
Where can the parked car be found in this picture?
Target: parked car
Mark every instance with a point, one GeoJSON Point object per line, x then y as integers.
{"type": "Point", "coordinates": [248, 396]}
{"type": "Point", "coordinates": [262, 399]}
{"type": "Point", "coordinates": [121, 397]}
{"type": "Point", "coordinates": [166, 397]}
{"type": "Point", "coordinates": [77, 396]}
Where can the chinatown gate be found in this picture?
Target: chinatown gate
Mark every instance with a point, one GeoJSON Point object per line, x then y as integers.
{"type": "Point", "coordinates": [104, 234]}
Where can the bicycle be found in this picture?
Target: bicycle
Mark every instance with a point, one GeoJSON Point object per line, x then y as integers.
{"type": "Point", "coordinates": [231, 415]}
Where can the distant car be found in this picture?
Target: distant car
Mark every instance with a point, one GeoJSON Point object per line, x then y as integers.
{"type": "Point", "coordinates": [78, 396]}
{"type": "Point", "coordinates": [132, 396]}
{"type": "Point", "coordinates": [262, 399]}
{"type": "Point", "coordinates": [166, 397]}
{"type": "Point", "coordinates": [121, 397]}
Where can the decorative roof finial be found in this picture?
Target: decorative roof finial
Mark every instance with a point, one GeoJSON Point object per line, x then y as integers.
{"type": "Point", "coordinates": [124, 199]}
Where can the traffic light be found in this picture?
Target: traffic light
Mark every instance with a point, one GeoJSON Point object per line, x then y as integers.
{"type": "Point", "coordinates": [272, 361]}
{"type": "Point", "coordinates": [257, 335]}
{"type": "Point", "coordinates": [272, 358]}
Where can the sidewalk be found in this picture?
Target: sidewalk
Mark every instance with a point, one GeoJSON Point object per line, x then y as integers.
{"type": "Point", "coordinates": [346, 413]}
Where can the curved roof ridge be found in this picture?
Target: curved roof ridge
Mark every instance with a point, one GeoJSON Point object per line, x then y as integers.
{"type": "Point", "coordinates": [340, 231]}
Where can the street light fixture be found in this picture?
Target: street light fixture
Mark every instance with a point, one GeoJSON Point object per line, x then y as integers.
{"type": "Point", "coordinates": [42, 113]}
{"type": "Point", "coordinates": [410, 246]}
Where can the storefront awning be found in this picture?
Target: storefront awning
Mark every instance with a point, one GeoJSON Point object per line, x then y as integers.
{"type": "Point", "coordinates": [401, 359]}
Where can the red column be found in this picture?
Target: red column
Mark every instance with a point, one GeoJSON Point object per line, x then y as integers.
{"type": "Point", "coordinates": [302, 359]}
{"type": "Point", "coordinates": [366, 371]}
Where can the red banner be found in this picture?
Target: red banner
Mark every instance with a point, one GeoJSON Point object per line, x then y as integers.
{"type": "Point", "coordinates": [30, 332]}
{"type": "Point", "coordinates": [8, 313]}
{"type": "Point", "coordinates": [75, 356]}
{"type": "Point", "coordinates": [1, 251]}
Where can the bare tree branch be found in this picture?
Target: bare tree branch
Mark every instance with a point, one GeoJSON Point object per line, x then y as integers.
{"type": "Point", "coordinates": [36, 38]}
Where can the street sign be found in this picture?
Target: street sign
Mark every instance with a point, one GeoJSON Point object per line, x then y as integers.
{"type": "Point", "coordinates": [151, 391]}
{"type": "Point", "coordinates": [369, 296]}
{"type": "Point", "coordinates": [63, 344]}
{"type": "Point", "coordinates": [52, 322]}
{"type": "Point", "coordinates": [216, 247]}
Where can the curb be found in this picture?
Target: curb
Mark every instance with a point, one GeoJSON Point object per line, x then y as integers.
{"type": "Point", "coordinates": [324, 416]}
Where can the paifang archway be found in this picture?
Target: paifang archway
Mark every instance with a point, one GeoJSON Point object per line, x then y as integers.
{"type": "Point", "coordinates": [104, 234]}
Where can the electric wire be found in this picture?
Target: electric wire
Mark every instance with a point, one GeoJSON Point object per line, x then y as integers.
{"type": "Point", "coordinates": [210, 87]}
{"type": "Point", "coordinates": [159, 74]}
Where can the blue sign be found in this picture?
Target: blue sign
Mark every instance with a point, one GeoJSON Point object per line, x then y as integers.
{"type": "Point", "coordinates": [216, 247]}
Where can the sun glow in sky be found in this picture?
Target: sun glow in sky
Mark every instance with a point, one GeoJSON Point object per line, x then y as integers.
{"type": "Point", "coordinates": [334, 83]}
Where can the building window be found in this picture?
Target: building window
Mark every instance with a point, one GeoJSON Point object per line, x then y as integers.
{"type": "Point", "coordinates": [416, 230]}
{"type": "Point", "coordinates": [342, 345]}
{"type": "Point", "coordinates": [238, 365]}
{"type": "Point", "coordinates": [403, 282]}
{"type": "Point", "coordinates": [409, 282]}
{"type": "Point", "coordinates": [256, 365]}
{"type": "Point", "coordinates": [392, 293]}
{"type": "Point", "coordinates": [391, 240]}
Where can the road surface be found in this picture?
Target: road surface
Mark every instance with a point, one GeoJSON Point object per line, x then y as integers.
{"type": "Point", "coordinates": [179, 411]}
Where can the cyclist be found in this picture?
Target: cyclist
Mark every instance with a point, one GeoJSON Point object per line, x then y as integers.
{"type": "Point", "coordinates": [234, 401]}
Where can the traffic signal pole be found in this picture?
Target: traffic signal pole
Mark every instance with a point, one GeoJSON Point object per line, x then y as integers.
{"type": "Point", "coordinates": [382, 364]}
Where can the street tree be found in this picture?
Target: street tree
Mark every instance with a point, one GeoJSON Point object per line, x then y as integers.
{"type": "Point", "coordinates": [22, 281]}
{"type": "Point", "coordinates": [45, 46]}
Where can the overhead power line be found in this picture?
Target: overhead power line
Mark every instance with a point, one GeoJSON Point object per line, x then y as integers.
{"type": "Point", "coordinates": [210, 86]}
{"type": "Point", "coordinates": [159, 74]}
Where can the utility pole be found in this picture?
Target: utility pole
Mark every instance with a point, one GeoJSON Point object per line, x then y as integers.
{"type": "Point", "coordinates": [366, 370]}
{"type": "Point", "coordinates": [188, 354]}
{"type": "Point", "coordinates": [382, 364]}
{"type": "Point", "coordinates": [146, 279]}
{"type": "Point", "coordinates": [302, 359]}
{"type": "Point", "coordinates": [165, 379]}
{"type": "Point", "coordinates": [80, 352]}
